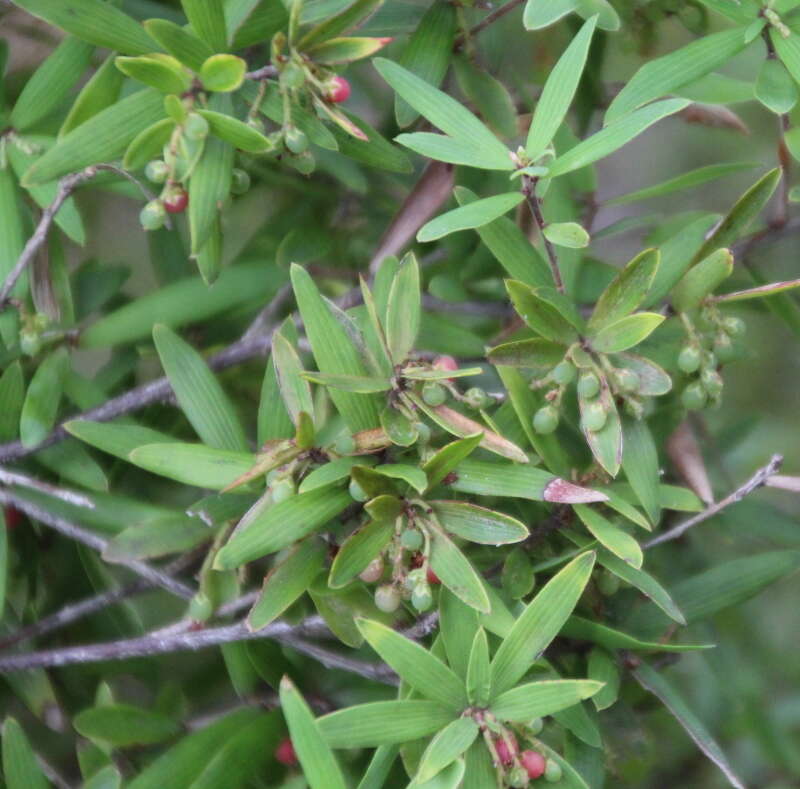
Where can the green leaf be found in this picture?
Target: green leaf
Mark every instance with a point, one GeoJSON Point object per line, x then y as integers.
{"type": "Point", "coordinates": [488, 95]}
{"type": "Point", "coordinates": [358, 550]}
{"type": "Point", "coordinates": [539, 15]}
{"type": "Point", "coordinates": [641, 466]}
{"type": "Point", "coordinates": [701, 280]}
{"type": "Point", "coordinates": [179, 42]}
{"type": "Point", "coordinates": [540, 623]}
{"type": "Point", "coordinates": [612, 537]}
{"type": "Point", "coordinates": [606, 443]}
{"type": "Point", "coordinates": [286, 581]}
{"type": "Point", "coordinates": [238, 134]}
{"type": "Point", "coordinates": [94, 21]}
{"type": "Point", "coordinates": [539, 314]}
{"type": "Point", "coordinates": [207, 18]}
{"type": "Point", "coordinates": [788, 50]}
{"type": "Point", "coordinates": [455, 571]}
{"type": "Point", "coordinates": [375, 150]}
{"type": "Point", "coordinates": [537, 699]}
{"type": "Point", "coordinates": [101, 91]}
{"type": "Point", "coordinates": [162, 72]}
{"type": "Point", "coordinates": [775, 88]}
{"type": "Point", "coordinates": [478, 524]}
{"type": "Point", "coordinates": [358, 384]}
{"type": "Point", "coordinates": [663, 75]}
{"type": "Point", "coordinates": [12, 395]}
{"type": "Point", "coordinates": [558, 92]}
{"type": "Point", "coordinates": [333, 352]}
{"type": "Point", "coordinates": [469, 216]}
{"type": "Point", "coordinates": [403, 311]}
{"type": "Point", "coordinates": [614, 136]}
{"type": "Point", "coordinates": [345, 20]}
{"type": "Point", "coordinates": [198, 392]}
{"type": "Point", "coordinates": [148, 144]}
{"type": "Point", "coordinates": [40, 408]}
{"type": "Point", "coordinates": [480, 772]}
{"type": "Point", "coordinates": [193, 464]}
{"type": "Point", "coordinates": [223, 73]}
{"type": "Point", "coordinates": [107, 777]}
{"type": "Point", "coordinates": [50, 84]}
{"type": "Point", "coordinates": [320, 767]}
{"type": "Point", "coordinates": [335, 471]}
{"type": "Point", "coordinates": [400, 429]}
{"type": "Point", "coordinates": [383, 723]}
{"type": "Point", "coordinates": [161, 537]}
{"type": "Point", "coordinates": [20, 768]}
{"type": "Point", "coordinates": [479, 678]}
{"type": "Point", "coordinates": [627, 290]}
{"type": "Point", "coordinates": [346, 49]}
{"type": "Point", "coordinates": [446, 459]}
{"type": "Point", "coordinates": [662, 689]}
{"type": "Point", "coordinates": [415, 665]}
{"type": "Point", "coordinates": [653, 380]}
{"type": "Point", "coordinates": [413, 476]}
{"type": "Point", "coordinates": [446, 747]}
{"type": "Point", "coordinates": [566, 234]}
{"type": "Point", "coordinates": [602, 667]}
{"type": "Point", "coordinates": [379, 767]}
{"type": "Point", "coordinates": [281, 525]}
{"type": "Point", "coordinates": [586, 630]}
{"type": "Point", "coordinates": [295, 391]}
{"type": "Point", "coordinates": [448, 115]}
{"type": "Point", "coordinates": [626, 332]}
{"type": "Point", "coordinates": [123, 725]}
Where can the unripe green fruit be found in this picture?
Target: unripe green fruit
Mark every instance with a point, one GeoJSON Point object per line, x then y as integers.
{"type": "Point", "coordinates": [412, 539]}
{"type": "Point", "coordinates": [200, 607]}
{"type": "Point", "coordinates": [608, 583]}
{"type": "Point", "coordinates": [518, 778]}
{"type": "Point", "coordinates": [564, 373]}
{"type": "Point", "coordinates": [689, 359]}
{"type": "Point", "coordinates": [372, 572]}
{"type": "Point", "coordinates": [357, 492]}
{"type": "Point", "coordinates": [195, 127]}
{"type": "Point", "coordinates": [30, 343]}
{"type": "Point", "coordinates": [421, 597]}
{"type": "Point", "coordinates": [282, 490]}
{"type": "Point", "coordinates": [545, 420]}
{"type": "Point", "coordinates": [628, 380]}
{"type": "Point", "coordinates": [387, 598]}
{"type": "Point", "coordinates": [156, 171]}
{"type": "Point", "coordinates": [588, 385]}
{"type": "Point", "coordinates": [476, 398]}
{"type": "Point", "coordinates": [433, 394]}
{"type": "Point", "coordinates": [594, 417]}
{"type": "Point", "coordinates": [535, 726]}
{"type": "Point", "coordinates": [733, 326]}
{"type": "Point", "coordinates": [423, 432]}
{"type": "Point", "coordinates": [153, 215]}
{"type": "Point", "coordinates": [552, 771]}
{"type": "Point", "coordinates": [694, 396]}
{"type": "Point", "coordinates": [295, 139]}
{"type": "Point", "coordinates": [304, 163]}
{"type": "Point", "coordinates": [345, 444]}
{"type": "Point", "coordinates": [723, 348]}
{"type": "Point", "coordinates": [712, 382]}
{"type": "Point", "coordinates": [415, 578]}
{"type": "Point", "coordinates": [240, 181]}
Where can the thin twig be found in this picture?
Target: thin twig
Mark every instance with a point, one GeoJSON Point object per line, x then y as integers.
{"type": "Point", "coordinates": [529, 190]}
{"type": "Point", "coordinates": [265, 72]}
{"type": "Point", "coordinates": [756, 481]}
{"type": "Point", "coordinates": [486, 21]}
{"type": "Point", "coordinates": [24, 481]}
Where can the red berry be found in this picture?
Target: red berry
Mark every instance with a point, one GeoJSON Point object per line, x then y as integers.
{"type": "Point", "coordinates": [432, 577]}
{"type": "Point", "coordinates": [339, 90]}
{"type": "Point", "coordinates": [175, 201]}
{"type": "Point", "coordinates": [505, 755]}
{"type": "Point", "coordinates": [445, 362]}
{"type": "Point", "coordinates": [285, 754]}
{"type": "Point", "coordinates": [13, 517]}
{"type": "Point", "coordinates": [534, 763]}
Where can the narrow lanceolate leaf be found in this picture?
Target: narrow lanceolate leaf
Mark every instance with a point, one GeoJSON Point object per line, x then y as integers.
{"type": "Point", "coordinates": [383, 723]}
{"type": "Point", "coordinates": [448, 457]}
{"type": "Point", "coordinates": [627, 290]}
{"type": "Point", "coordinates": [403, 311]}
{"type": "Point", "coordinates": [446, 747]}
{"type": "Point", "coordinates": [536, 354]}
{"type": "Point", "coordinates": [558, 92]}
{"type": "Point", "coordinates": [94, 21]}
{"type": "Point", "coordinates": [20, 768]}
{"type": "Point", "coordinates": [179, 42]}
{"type": "Point", "coordinates": [161, 537]}
{"type": "Point", "coordinates": [295, 391]}
{"type": "Point", "coordinates": [626, 332]}
{"type": "Point", "coordinates": [148, 144]}
{"type": "Point", "coordinates": [198, 392]}
{"type": "Point", "coordinates": [602, 667]}
{"type": "Point", "coordinates": [539, 314]}
{"type": "Point", "coordinates": [540, 623]}
{"type": "Point", "coordinates": [207, 18]}
{"type": "Point", "coordinates": [619, 542]}
{"type": "Point", "coordinates": [537, 699]}
{"type": "Point", "coordinates": [361, 384]}
{"type": "Point", "coordinates": [123, 725]}
{"type": "Point", "coordinates": [640, 463]}
{"type": "Point", "coordinates": [320, 767]}
{"type": "Point", "coordinates": [102, 138]}
{"type": "Point", "coordinates": [458, 624]}
{"type": "Point", "coordinates": [194, 464]}
{"type": "Point", "coordinates": [415, 665]}
{"type": "Point", "coordinates": [479, 674]}
{"type": "Point", "coordinates": [233, 131]}
{"type": "Point", "coordinates": [456, 573]}
{"type": "Point", "coordinates": [470, 216]}
{"type": "Point", "coordinates": [347, 49]}
{"type": "Point", "coordinates": [162, 72]}
{"type": "Point", "coordinates": [760, 292]}
{"type": "Point", "coordinates": [606, 443]}
{"type": "Point", "coordinates": [788, 50]}
{"type": "Point", "coordinates": [488, 95]}
{"type": "Point", "coordinates": [615, 135]}
{"type": "Point", "coordinates": [659, 686]}
{"type": "Point", "coordinates": [701, 280]}
{"type": "Point", "coordinates": [775, 88]}
{"type": "Point", "coordinates": [358, 550]}
{"type": "Point", "coordinates": [334, 352]}
{"type": "Point", "coordinates": [286, 582]}
{"type": "Point", "coordinates": [12, 395]}
{"type": "Point", "coordinates": [586, 630]}
{"type": "Point", "coordinates": [281, 525]}
{"type": "Point", "coordinates": [101, 91]}
{"type": "Point", "coordinates": [663, 75]}
{"type": "Point", "coordinates": [40, 408]}
{"type": "Point", "coordinates": [448, 115]}
{"type": "Point", "coordinates": [478, 524]}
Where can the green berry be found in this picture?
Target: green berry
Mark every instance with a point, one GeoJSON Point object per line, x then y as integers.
{"type": "Point", "coordinates": [345, 444]}
{"type": "Point", "coordinates": [30, 343]}
{"type": "Point", "coordinates": [357, 492]}
{"type": "Point", "coordinates": [689, 359]}
{"type": "Point", "coordinates": [156, 171]}
{"type": "Point", "coordinates": [545, 420]}
{"type": "Point", "coordinates": [295, 139]}
{"type": "Point", "coordinates": [304, 163]}
{"type": "Point", "coordinates": [518, 778]}
{"type": "Point", "coordinates": [200, 607]}
{"type": "Point", "coordinates": [723, 348]}
{"type": "Point", "coordinates": [694, 396]}
{"type": "Point", "coordinates": [476, 398]}
{"type": "Point", "coordinates": [415, 578]}
{"type": "Point", "coordinates": [628, 380]}
{"type": "Point", "coordinates": [712, 382]}
{"type": "Point", "coordinates": [153, 215]}
{"type": "Point", "coordinates": [588, 386]}
{"type": "Point", "coordinates": [411, 539]}
{"type": "Point", "coordinates": [195, 127]}
{"type": "Point", "coordinates": [552, 771]}
{"type": "Point", "coordinates": [733, 326]}
{"type": "Point", "coordinates": [564, 373]}
{"type": "Point", "coordinates": [372, 572]}
{"type": "Point", "coordinates": [387, 598]}
{"type": "Point", "coordinates": [240, 181]}
{"type": "Point", "coordinates": [594, 417]}
{"type": "Point", "coordinates": [535, 726]}
{"type": "Point", "coordinates": [423, 432]}
{"type": "Point", "coordinates": [433, 394]}
{"type": "Point", "coordinates": [608, 583]}
{"type": "Point", "coordinates": [421, 597]}
{"type": "Point", "coordinates": [282, 490]}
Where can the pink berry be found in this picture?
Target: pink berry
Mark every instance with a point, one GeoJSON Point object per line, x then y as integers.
{"type": "Point", "coordinates": [175, 201]}
{"type": "Point", "coordinates": [445, 362]}
{"type": "Point", "coordinates": [432, 577]}
{"type": "Point", "coordinates": [285, 754]}
{"type": "Point", "coordinates": [339, 90]}
{"type": "Point", "coordinates": [534, 763]}
{"type": "Point", "coordinates": [505, 754]}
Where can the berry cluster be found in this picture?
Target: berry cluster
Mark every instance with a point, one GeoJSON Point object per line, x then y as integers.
{"type": "Point", "coordinates": [518, 767]}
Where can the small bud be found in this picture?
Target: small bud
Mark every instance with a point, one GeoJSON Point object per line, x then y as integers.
{"type": "Point", "coordinates": [372, 572]}
{"type": "Point", "coordinates": [156, 171]}
{"type": "Point", "coordinates": [588, 386]}
{"type": "Point", "coordinates": [594, 417]}
{"type": "Point", "coordinates": [545, 420]}
{"type": "Point", "coordinates": [564, 373]}
{"type": "Point", "coordinates": [295, 139]}
{"type": "Point", "coordinates": [175, 200]}
{"type": "Point", "coordinates": [411, 539]}
{"type": "Point", "coordinates": [534, 763]}
{"type": "Point", "coordinates": [535, 726]}
{"type": "Point", "coordinates": [285, 754]}
{"type": "Point", "coordinates": [733, 326]}
{"type": "Point", "coordinates": [195, 127]}
{"type": "Point", "coordinates": [240, 181]}
{"type": "Point", "coordinates": [628, 380]}
{"type": "Point", "coordinates": [387, 598]}
{"type": "Point", "coordinates": [338, 90]}
{"type": "Point", "coordinates": [476, 398]}
{"type": "Point", "coordinates": [518, 778]}
{"type": "Point", "coordinates": [689, 359]}
{"type": "Point", "coordinates": [282, 490]}
{"type": "Point", "coordinates": [694, 396]}
{"type": "Point", "coordinates": [30, 343]}
{"type": "Point", "coordinates": [200, 607]}
{"type": "Point", "coordinates": [504, 753]}
{"type": "Point", "coordinates": [357, 492]}
{"type": "Point", "coordinates": [552, 771]}
{"type": "Point", "coordinates": [153, 215]}
{"type": "Point", "coordinates": [723, 348]}
{"type": "Point", "coordinates": [421, 597]}
{"type": "Point", "coordinates": [433, 394]}
{"type": "Point", "coordinates": [712, 383]}
{"type": "Point", "coordinates": [423, 432]}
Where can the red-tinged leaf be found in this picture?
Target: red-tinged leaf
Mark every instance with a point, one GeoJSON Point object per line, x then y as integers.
{"type": "Point", "coordinates": [559, 491]}
{"type": "Point", "coordinates": [684, 452]}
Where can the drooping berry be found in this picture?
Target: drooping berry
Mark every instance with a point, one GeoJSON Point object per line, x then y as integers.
{"type": "Point", "coordinates": [175, 200]}
{"type": "Point", "coordinates": [594, 417]}
{"type": "Point", "coordinates": [733, 326]}
{"type": "Point", "coordinates": [411, 539]}
{"type": "Point", "coordinates": [628, 380]}
{"type": "Point", "coordinates": [433, 394]}
{"type": "Point", "coordinates": [153, 215]}
{"type": "Point", "coordinates": [534, 763]}
{"type": "Point", "coordinates": [423, 432]}
{"type": "Point", "coordinates": [588, 385]}
{"type": "Point", "coordinates": [564, 372]}
{"type": "Point", "coordinates": [345, 444]}
{"type": "Point", "coordinates": [338, 90]}
{"type": "Point", "coordinates": [552, 771]}
{"type": "Point", "coordinates": [694, 396]}
{"type": "Point", "coordinates": [476, 398]}
{"type": "Point", "coordinates": [421, 597]}
{"type": "Point", "coordinates": [195, 127]}
{"type": "Point", "coordinates": [200, 607]}
{"type": "Point", "coordinates": [723, 348]}
{"type": "Point", "coordinates": [712, 382]}
{"type": "Point", "coordinates": [689, 359]}
{"type": "Point", "coordinates": [156, 171]}
{"type": "Point", "coordinates": [357, 492]}
{"type": "Point", "coordinates": [295, 139]}
{"type": "Point", "coordinates": [282, 490]}
{"type": "Point", "coordinates": [518, 778]}
{"type": "Point", "coordinates": [387, 598]}
{"type": "Point", "coordinates": [505, 753]}
{"type": "Point", "coordinates": [285, 754]}
{"type": "Point", "coordinates": [545, 420]}
{"type": "Point", "coordinates": [240, 181]}
{"type": "Point", "coordinates": [372, 572]}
